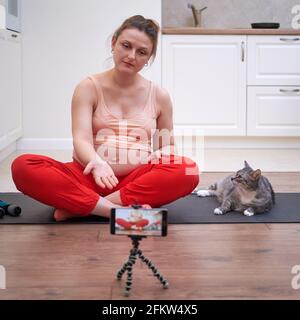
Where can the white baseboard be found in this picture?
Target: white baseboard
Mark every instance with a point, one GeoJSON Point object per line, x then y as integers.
{"type": "Point", "coordinates": [218, 154]}
{"type": "Point", "coordinates": [44, 144]}
{"type": "Point", "coordinates": [240, 142]}
{"type": "Point", "coordinates": [7, 151]}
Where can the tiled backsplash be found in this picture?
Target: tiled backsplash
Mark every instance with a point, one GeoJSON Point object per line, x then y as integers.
{"type": "Point", "coordinates": [228, 13]}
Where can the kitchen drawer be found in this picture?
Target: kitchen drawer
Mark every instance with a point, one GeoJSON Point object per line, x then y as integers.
{"type": "Point", "coordinates": [273, 60]}
{"type": "Point", "coordinates": [273, 111]}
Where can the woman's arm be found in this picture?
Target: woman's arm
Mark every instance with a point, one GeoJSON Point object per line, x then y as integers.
{"type": "Point", "coordinates": [83, 102]}
{"type": "Point", "coordinates": [163, 139]}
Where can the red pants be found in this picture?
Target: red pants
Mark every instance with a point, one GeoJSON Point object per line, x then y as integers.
{"type": "Point", "coordinates": [128, 224]}
{"type": "Point", "coordinates": [63, 185]}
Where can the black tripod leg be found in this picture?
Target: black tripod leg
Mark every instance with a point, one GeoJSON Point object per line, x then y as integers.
{"type": "Point", "coordinates": [130, 264]}
{"type": "Point", "coordinates": [122, 270]}
{"type": "Point", "coordinates": [155, 271]}
{"type": "Point", "coordinates": [124, 267]}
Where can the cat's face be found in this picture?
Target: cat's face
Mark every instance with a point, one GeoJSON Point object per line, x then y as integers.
{"type": "Point", "coordinates": [247, 177]}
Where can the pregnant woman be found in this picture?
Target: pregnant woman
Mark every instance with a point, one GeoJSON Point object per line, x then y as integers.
{"type": "Point", "coordinates": [123, 140]}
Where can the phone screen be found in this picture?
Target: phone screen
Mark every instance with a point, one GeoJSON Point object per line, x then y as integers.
{"type": "Point", "coordinates": [140, 222]}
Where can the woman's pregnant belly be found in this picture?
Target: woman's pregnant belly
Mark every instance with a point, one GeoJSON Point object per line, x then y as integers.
{"type": "Point", "coordinates": [124, 161]}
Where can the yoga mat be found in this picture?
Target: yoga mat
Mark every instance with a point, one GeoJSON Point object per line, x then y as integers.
{"type": "Point", "coordinates": [188, 210]}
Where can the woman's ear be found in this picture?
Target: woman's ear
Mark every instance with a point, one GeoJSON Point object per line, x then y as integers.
{"type": "Point", "coordinates": [113, 43]}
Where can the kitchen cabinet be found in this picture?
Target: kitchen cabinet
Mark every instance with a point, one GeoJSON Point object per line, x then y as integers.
{"type": "Point", "coordinates": [273, 60]}
{"type": "Point", "coordinates": [234, 85]}
{"type": "Point", "coordinates": [206, 78]}
{"type": "Point", "coordinates": [273, 111]}
{"type": "Point", "coordinates": [273, 106]}
{"type": "Point", "coordinates": [10, 88]}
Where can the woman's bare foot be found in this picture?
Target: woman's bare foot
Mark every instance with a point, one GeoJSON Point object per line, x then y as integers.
{"type": "Point", "coordinates": [146, 206]}
{"type": "Point", "coordinates": [61, 215]}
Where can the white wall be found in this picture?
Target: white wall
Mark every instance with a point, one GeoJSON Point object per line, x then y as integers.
{"type": "Point", "coordinates": [63, 42]}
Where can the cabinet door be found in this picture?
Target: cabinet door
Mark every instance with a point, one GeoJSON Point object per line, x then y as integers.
{"type": "Point", "coordinates": [10, 88]}
{"type": "Point", "coordinates": [274, 60]}
{"type": "Point", "coordinates": [273, 111]}
{"type": "Point", "coordinates": [206, 78]}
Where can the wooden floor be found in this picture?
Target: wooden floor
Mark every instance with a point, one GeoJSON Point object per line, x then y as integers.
{"type": "Point", "coordinates": [209, 261]}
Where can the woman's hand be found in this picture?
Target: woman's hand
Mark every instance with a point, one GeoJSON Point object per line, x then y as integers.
{"type": "Point", "coordinates": [154, 155]}
{"type": "Point", "coordinates": [102, 173]}
{"type": "Point", "coordinates": [162, 152]}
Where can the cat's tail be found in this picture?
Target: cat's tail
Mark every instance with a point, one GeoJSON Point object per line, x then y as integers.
{"type": "Point", "coordinates": [213, 187]}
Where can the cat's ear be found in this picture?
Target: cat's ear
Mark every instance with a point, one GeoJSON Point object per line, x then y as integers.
{"type": "Point", "coordinates": [247, 165]}
{"type": "Point", "coordinates": [256, 174]}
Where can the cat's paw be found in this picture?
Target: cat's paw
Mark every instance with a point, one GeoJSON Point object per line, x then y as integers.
{"type": "Point", "coordinates": [248, 213]}
{"type": "Point", "coordinates": [218, 211]}
{"type": "Point", "coordinates": [203, 193]}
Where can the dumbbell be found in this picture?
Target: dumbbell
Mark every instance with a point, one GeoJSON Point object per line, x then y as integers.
{"type": "Point", "coordinates": [9, 209]}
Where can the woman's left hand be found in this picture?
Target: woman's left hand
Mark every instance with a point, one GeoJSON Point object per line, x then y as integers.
{"type": "Point", "coordinates": [157, 154]}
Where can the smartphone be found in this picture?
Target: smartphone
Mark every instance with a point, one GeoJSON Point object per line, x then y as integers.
{"type": "Point", "coordinates": [139, 222]}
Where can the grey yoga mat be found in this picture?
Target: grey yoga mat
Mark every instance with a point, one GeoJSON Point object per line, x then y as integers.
{"type": "Point", "coordinates": [188, 210]}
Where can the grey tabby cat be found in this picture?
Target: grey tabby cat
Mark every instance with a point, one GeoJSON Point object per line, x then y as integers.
{"type": "Point", "coordinates": [246, 191]}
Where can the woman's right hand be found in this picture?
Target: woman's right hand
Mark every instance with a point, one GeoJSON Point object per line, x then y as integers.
{"type": "Point", "coordinates": [102, 173]}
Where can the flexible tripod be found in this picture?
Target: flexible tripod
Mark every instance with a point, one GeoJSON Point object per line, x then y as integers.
{"type": "Point", "coordinates": [134, 252]}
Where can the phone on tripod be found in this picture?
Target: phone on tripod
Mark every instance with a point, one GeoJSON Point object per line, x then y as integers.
{"type": "Point", "coordinates": [139, 221]}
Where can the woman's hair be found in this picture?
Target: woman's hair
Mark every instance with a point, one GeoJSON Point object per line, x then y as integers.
{"type": "Point", "coordinates": [149, 26]}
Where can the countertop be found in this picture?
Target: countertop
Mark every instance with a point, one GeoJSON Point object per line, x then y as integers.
{"type": "Point", "coordinates": [233, 31]}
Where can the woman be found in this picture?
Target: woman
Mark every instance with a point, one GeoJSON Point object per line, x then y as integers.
{"type": "Point", "coordinates": [114, 118]}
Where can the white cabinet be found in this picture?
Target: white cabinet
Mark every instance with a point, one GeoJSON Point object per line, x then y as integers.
{"type": "Point", "coordinates": [206, 78]}
{"type": "Point", "coordinates": [274, 60]}
{"type": "Point", "coordinates": [10, 88]}
{"type": "Point", "coordinates": [273, 99]}
{"type": "Point", "coordinates": [234, 85]}
{"type": "Point", "coordinates": [273, 111]}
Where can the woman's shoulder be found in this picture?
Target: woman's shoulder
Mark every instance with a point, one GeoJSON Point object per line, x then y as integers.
{"type": "Point", "coordinates": [87, 88]}
{"type": "Point", "coordinates": [90, 84]}
{"type": "Point", "coordinates": [91, 80]}
{"type": "Point", "coordinates": [99, 77]}
{"type": "Point", "coordinates": [161, 93]}
{"type": "Point", "coordinates": [162, 97]}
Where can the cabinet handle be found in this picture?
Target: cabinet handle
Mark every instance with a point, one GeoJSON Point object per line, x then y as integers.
{"type": "Point", "coordinates": [14, 36]}
{"type": "Point", "coordinates": [289, 91]}
{"type": "Point", "coordinates": [243, 51]}
{"type": "Point", "coordinates": [289, 40]}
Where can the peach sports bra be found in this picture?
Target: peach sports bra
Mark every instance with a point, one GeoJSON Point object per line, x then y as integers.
{"type": "Point", "coordinates": [132, 133]}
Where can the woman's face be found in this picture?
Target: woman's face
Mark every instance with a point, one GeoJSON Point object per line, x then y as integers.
{"type": "Point", "coordinates": [132, 50]}
{"type": "Point", "coordinates": [136, 215]}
